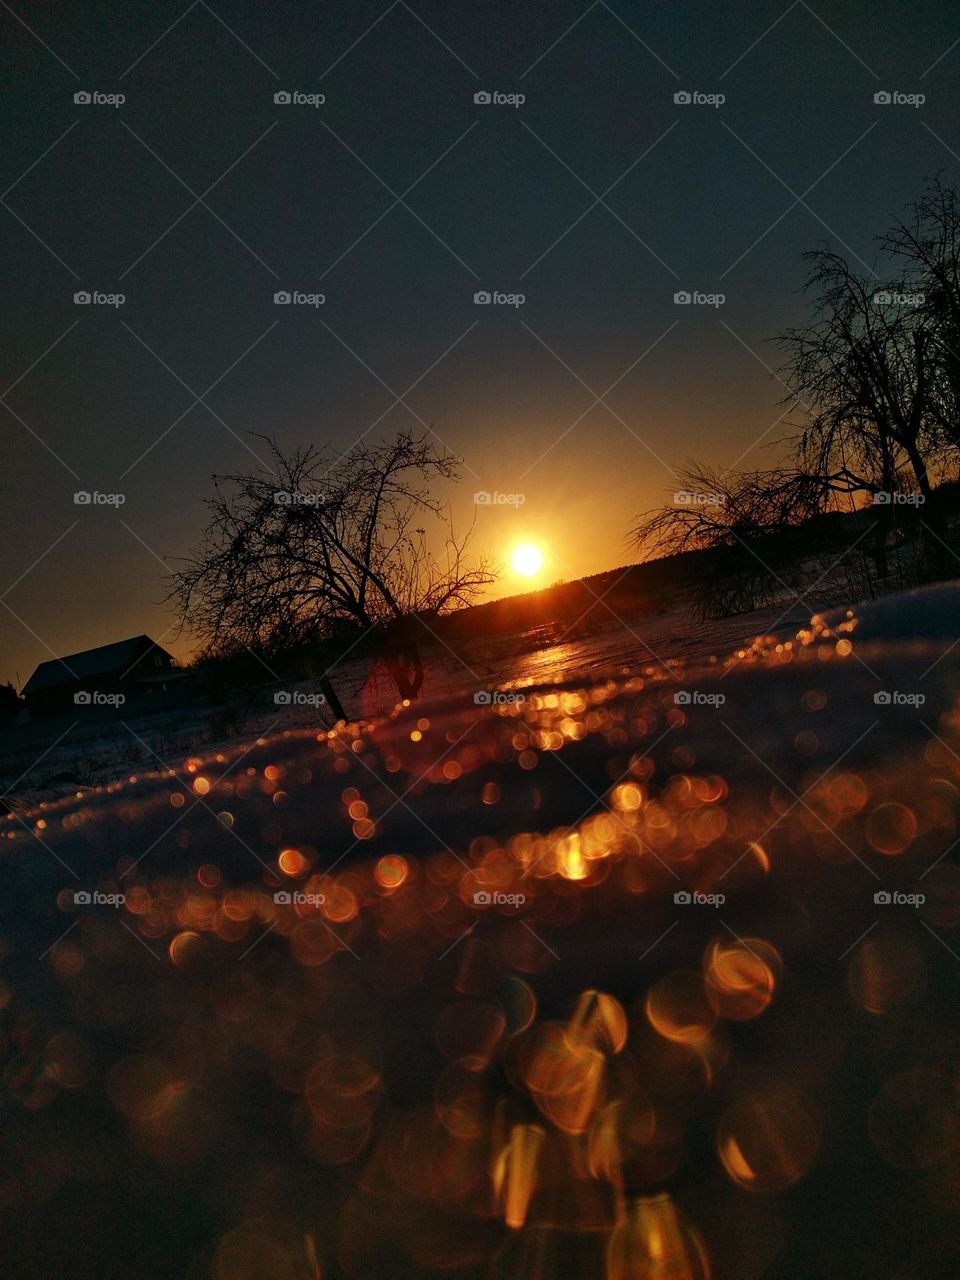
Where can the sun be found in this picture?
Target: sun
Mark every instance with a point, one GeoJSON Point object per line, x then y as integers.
{"type": "Point", "coordinates": [527, 559]}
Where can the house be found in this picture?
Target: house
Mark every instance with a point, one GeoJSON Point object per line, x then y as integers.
{"type": "Point", "coordinates": [131, 676]}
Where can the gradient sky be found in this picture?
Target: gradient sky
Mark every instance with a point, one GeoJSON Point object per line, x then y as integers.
{"type": "Point", "coordinates": [716, 199]}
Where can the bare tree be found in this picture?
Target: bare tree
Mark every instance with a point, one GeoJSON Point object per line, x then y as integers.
{"type": "Point", "coordinates": [926, 242]}
{"type": "Point", "coordinates": [747, 522]}
{"type": "Point", "coordinates": [868, 370]}
{"type": "Point", "coordinates": [873, 381]}
{"type": "Point", "coordinates": [863, 369]}
{"type": "Point", "coordinates": [329, 544]}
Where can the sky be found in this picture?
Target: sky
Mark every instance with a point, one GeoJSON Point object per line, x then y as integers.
{"type": "Point", "coordinates": [398, 198]}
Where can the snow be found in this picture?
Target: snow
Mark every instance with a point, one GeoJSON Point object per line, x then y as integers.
{"type": "Point", "coordinates": [926, 613]}
{"type": "Point", "coordinates": [395, 1077]}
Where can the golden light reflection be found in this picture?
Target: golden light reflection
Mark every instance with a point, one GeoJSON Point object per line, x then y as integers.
{"type": "Point", "coordinates": [741, 976]}
{"type": "Point", "coordinates": [515, 1171]}
{"type": "Point", "coordinates": [769, 1140]}
{"type": "Point", "coordinates": [656, 1243]}
{"type": "Point", "coordinates": [571, 1075]}
{"type": "Point", "coordinates": [678, 1008]}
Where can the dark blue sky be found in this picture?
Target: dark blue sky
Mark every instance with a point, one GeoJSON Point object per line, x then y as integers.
{"type": "Point", "coordinates": [506, 198]}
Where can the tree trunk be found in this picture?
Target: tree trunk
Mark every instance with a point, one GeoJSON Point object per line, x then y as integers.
{"type": "Point", "coordinates": [941, 562]}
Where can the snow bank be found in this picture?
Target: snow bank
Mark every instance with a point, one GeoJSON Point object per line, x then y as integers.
{"type": "Point", "coordinates": [926, 613]}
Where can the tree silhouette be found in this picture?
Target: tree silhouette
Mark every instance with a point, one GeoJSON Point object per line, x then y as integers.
{"type": "Point", "coordinates": [329, 545]}
{"type": "Point", "coordinates": [873, 392]}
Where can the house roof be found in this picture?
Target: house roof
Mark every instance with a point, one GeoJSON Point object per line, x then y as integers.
{"type": "Point", "coordinates": [105, 660]}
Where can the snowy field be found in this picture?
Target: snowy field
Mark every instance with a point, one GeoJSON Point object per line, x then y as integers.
{"type": "Point", "coordinates": [646, 969]}
{"type": "Point", "coordinates": [53, 758]}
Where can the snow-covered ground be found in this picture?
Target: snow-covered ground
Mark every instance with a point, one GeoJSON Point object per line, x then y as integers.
{"type": "Point", "coordinates": [52, 759]}
{"type": "Point", "coordinates": [645, 967]}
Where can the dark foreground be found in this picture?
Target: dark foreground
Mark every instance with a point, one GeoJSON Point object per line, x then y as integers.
{"type": "Point", "coordinates": [419, 998]}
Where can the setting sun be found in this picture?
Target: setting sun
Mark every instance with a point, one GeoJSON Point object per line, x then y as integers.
{"type": "Point", "coordinates": [527, 559]}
